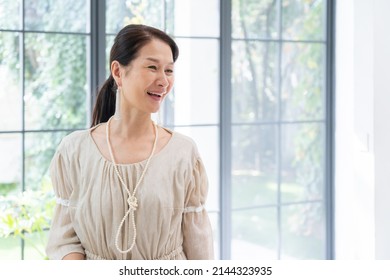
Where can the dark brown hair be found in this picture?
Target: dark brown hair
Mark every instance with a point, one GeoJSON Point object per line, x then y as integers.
{"type": "Point", "coordinates": [125, 49]}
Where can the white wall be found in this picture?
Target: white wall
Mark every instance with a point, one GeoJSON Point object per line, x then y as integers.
{"type": "Point", "coordinates": [362, 156]}
{"type": "Point", "coordinates": [382, 127]}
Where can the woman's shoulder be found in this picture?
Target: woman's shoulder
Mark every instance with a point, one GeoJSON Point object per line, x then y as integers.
{"type": "Point", "coordinates": [76, 136]}
{"type": "Point", "coordinates": [184, 139]}
{"type": "Point", "coordinates": [184, 143]}
{"type": "Point", "coordinates": [74, 140]}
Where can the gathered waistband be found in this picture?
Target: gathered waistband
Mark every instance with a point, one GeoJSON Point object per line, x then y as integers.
{"type": "Point", "coordinates": [170, 256]}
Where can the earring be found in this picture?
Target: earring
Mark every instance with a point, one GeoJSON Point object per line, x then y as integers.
{"type": "Point", "coordinates": [117, 115]}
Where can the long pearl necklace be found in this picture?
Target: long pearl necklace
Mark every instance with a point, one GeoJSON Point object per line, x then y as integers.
{"type": "Point", "coordinates": [131, 200]}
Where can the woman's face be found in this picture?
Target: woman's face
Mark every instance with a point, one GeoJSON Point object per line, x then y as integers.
{"type": "Point", "coordinates": [148, 78]}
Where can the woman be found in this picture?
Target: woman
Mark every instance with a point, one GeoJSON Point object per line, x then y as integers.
{"type": "Point", "coordinates": [128, 188]}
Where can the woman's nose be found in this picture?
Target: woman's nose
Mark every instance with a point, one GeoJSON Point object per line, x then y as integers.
{"type": "Point", "coordinates": [163, 80]}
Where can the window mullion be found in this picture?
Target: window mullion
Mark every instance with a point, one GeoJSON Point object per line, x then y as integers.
{"type": "Point", "coordinates": [225, 128]}
{"type": "Point", "coordinates": [97, 48]}
{"type": "Point", "coordinates": [22, 49]}
{"type": "Point", "coordinates": [330, 113]}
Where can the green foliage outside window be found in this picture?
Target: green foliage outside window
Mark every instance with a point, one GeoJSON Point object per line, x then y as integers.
{"type": "Point", "coordinates": [22, 215]}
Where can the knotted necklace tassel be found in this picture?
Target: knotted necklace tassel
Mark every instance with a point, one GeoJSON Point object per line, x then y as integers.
{"type": "Point", "coordinates": [132, 202]}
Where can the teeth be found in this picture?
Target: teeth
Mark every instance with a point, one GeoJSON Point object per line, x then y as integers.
{"type": "Point", "coordinates": [156, 94]}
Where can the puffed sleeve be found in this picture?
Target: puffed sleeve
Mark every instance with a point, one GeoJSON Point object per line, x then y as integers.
{"type": "Point", "coordinates": [62, 237]}
{"type": "Point", "coordinates": [197, 232]}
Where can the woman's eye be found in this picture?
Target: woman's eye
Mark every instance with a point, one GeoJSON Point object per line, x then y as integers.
{"type": "Point", "coordinates": [169, 71]}
{"type": "Point", "coordinates": [152, 67]}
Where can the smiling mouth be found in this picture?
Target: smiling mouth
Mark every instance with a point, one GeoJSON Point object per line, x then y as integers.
{"type": "Point", "coordinates": [155, 94]}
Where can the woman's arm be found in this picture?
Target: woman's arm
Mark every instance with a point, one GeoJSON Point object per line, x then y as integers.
{"type": "Point", "coordinates": [74, 256]}
{"type": "Point", "coordinates": [63, 241]}
{"type": "Point", "coordinates": [197, 232]}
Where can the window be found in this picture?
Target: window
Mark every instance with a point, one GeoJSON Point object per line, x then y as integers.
{"type": "Point", "coordinates": [44, 50]}
{"type": "Point", "coordinates": [251, 89]}
{"type": "Point", "coordinates": [278, 129]}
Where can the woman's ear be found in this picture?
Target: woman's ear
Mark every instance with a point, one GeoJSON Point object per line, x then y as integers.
{"type": "Point", "coordinates": [116, 72]}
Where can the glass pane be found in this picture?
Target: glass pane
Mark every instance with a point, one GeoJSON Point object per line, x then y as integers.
{"type": "Point", "coordinates": [10, 248]}
{"type": "Point", "coordinates": [109, 43]}
{"type": "Point", "coordinates": [254, 19]}
{"type": "Point", "coordinates": [10, 14]}
{"type": "Point", "coordinates": [304, 19]}
{"type": "Point", "coordinates": [26, 216]}
{"type": "Point", "coordinates": [303, 162]}
{"type": "Point", "coordinates": [35, 245]}
{"type": "Point", "coordinates": [207, 140]}
{"type": "Point", "coordinates": [10, 163]}
{"type": "Point", "coordinates": [56, 81]}
{"type": "Point", "coordinates": [54, 15]}
{"type": "Point", "coordinates": [40, 148]}
{"type": "Point", "coordinates": [303, 81]}
{"type": "Point", "coordinates": [11, 98]}
{"type": "Point", "coordinates": [214, 220]}
{"type": "Point", "coordinates": [254, 157]}
{"type": "Point", "coordinates": [193, 17]}
{"type": "Point", "coordinates": [123, 12]}
{"type": "Point", "coordinates": [195, 99]}
{"type": "Point", "coordinates": [254, 81]}
{"type": "Point", "coordinates": [254, 234]}
{"type": "Point", "coordinates": [303, 231]}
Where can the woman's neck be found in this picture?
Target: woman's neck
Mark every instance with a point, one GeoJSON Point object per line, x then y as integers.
{"type": "Point", "coordinates": [132, 126]}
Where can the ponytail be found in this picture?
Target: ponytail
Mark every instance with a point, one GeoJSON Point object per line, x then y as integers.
{"type": "Point", "coordinates": [105, 102]}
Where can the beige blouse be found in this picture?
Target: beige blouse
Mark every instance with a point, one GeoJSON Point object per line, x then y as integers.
{"type": "Point", "coordinates": [171, 220]}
